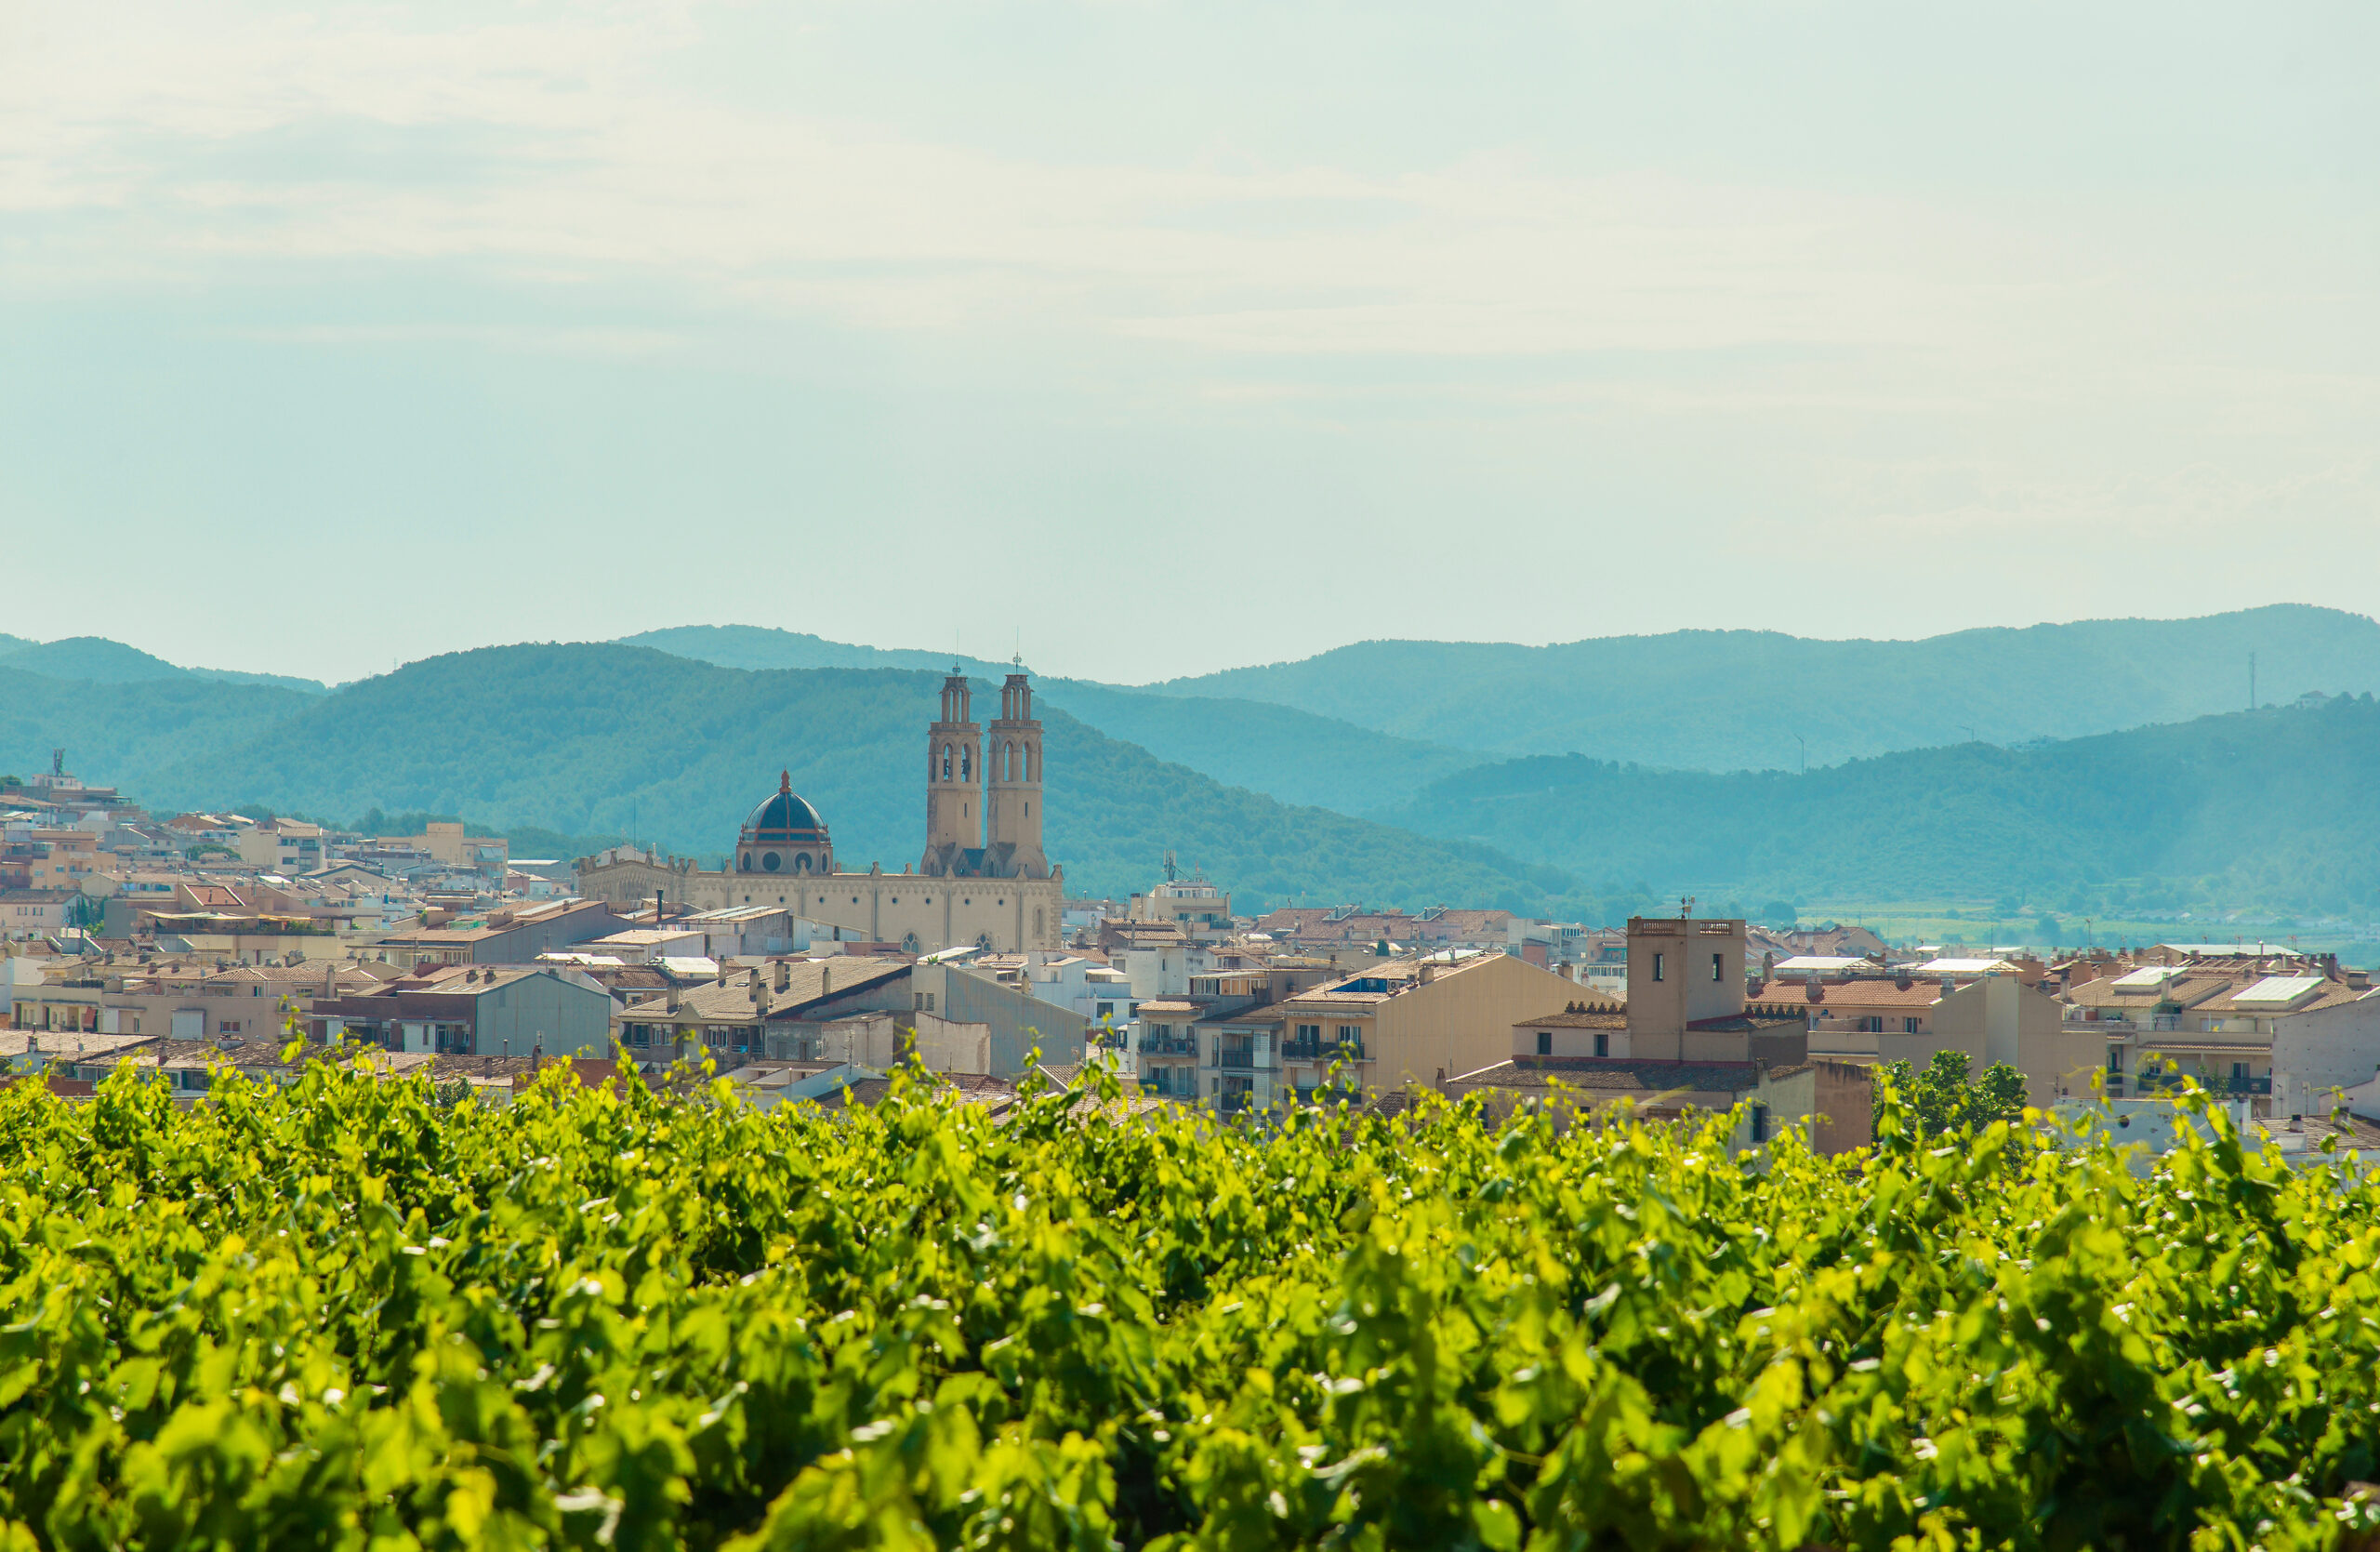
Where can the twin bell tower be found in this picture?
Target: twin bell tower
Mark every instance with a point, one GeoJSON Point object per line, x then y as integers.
{"type": "Point", "coordinates": [984, 787]}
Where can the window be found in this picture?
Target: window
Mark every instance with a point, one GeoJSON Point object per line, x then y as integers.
{"type": "Point", "coordinates": [1718, 967]}
{"type": "Point", "coordinates": [2115, 1059]}
{"type": "Point", "coordinates": [1310, 1032]}
{"type": "Point", "coordinates": [1759, 1123]}
{"type": "Point", "coordinates": [1657, 966]}
{"type": "Point", "coordinates": [1349, 1034]}
{"type": "Point", "coordinates": [2239, 1072]}
{"type": "Point", "coordinates": [1908, 1026]}
{"type": "Point", "coordinates": [1871, 1023]}
{"type": "Point", "coordinates": [1545, 1042]}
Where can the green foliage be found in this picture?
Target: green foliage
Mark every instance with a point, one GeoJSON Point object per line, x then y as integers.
{"type": "Point", "coordinates": [346, 1314]}
{"type": "Point", "coordinates": [1943, 1099]}
{"type": "Point", "coordinates": [127, 733]}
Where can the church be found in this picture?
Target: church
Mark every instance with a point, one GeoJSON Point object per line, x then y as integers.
{"type": "Point", "coordinates": [983, 878]}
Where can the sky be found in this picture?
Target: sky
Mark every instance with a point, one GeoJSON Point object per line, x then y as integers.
{"type": "Point", "coordinates": [1159, 337]}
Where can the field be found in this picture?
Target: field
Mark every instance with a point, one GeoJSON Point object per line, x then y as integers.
{"type": "Point", "coordinates": [1974, 924]}
{"type": "Point", "coordinates": [345, 1315]}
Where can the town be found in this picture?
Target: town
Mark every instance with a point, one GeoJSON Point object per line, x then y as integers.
{"type": "Point", "coordinates": [193, 945]}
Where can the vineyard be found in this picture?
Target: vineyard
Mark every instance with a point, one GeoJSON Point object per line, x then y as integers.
{"type": "Point", "coordinates": [345, 1314]}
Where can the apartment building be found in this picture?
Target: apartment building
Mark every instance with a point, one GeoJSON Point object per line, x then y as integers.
{"type": "Point", "coordinates": [1403, 1023]}
{"type": "Point", "coordinates": [474, 1010]}
{"type": "Point", "coordinates": [1687, 1044]}
{"type": "Point", "coordinates": [514, 934]}
{"type": "Point", "coordinates": [2284, 1031]}
{"type": "Point", "coordinates": [1994, 1016]}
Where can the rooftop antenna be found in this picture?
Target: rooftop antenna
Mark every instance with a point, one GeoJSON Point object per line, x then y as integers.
{"type": "Point", "coordinates": [1169, 870]}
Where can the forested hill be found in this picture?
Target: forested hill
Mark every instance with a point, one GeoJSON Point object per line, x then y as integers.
{"type": "Point", "coordinates": [98, 661]}
{"type": "Point", "coordinates": [126, 733]}
{"type": "Point", "coordinates": [2276, 808]}
{"type": "Point", "coordinates": [1723, 700]}
{"type": "Point", "coordinates": [595, 738]}
{"type": "Point", "coordinates": [1290, 754]}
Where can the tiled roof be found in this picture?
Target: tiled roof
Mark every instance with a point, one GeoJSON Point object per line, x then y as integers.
{"type": "Point", "coordinates": [1711, 1084]}
{"type": "Point", "coordinates": [1861, 994]}
{"type": "Point", "coordinates": [1580, 1016]}
{"type": "Point", "coordinates": [808, 981]}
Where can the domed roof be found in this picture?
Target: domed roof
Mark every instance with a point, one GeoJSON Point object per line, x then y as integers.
{"type": "Point", "coordinates": [783, 815]}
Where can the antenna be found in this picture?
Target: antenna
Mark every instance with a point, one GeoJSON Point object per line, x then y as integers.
{"type": "Point", "coordinates": [1170, 869]}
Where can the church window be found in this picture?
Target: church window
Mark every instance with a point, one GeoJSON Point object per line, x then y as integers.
{"type": "Point", "coordinates": [769, 860]}
{"type": "Point", "coordinates": [966, 755]}
{"type": "Point", "coordinates": [946, 762]}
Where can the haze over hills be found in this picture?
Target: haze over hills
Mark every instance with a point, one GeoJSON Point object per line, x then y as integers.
{"type": "Point", "coordinates": [1292, 755]}
{"type": "Point", "coordinates": [594, 739]}
{"type": "Point", "coordinates": [98, 661]}
{"type": "Point", "coordinates": [2276, 809]}
{"type": "Point", "coordinates": [601, 739]}
{"type": "Point", "coordinates": [127, 732]}
{"type": "Point", "coordinates": [1737, 700]}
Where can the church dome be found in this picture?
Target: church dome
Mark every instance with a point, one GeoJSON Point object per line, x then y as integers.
{"type": "Point", "coordinates": [783, 833]}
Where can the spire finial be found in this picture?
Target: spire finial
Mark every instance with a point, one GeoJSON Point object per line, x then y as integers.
{"type": "Point", "coordinates": [785, 782]}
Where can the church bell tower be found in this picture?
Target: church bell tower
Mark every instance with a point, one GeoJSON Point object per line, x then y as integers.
{"type": "Point", "coordinates": [1013, 802]}
{"type": "Point", "coordinates": [953, 779]}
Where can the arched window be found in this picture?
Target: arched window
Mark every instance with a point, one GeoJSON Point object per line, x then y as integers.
{"type": "Point", "coordinates": [802, 862]}
{"type": "Point", "coordinates": [946, 762]}
{"type": "Point", "coordinates": [1007, 761]}
{"type": "Point", "coordinates": [1032, 758]}
{"type": "Point", "coordinates": [966, 761]}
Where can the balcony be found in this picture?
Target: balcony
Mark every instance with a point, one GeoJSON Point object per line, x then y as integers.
{"type": "Point", "coordinates": [2150, 1082]}
{"type": "Point", "coordinates": [1322, 1050]}
{"type": "Point", "coordinates": [1170, 1045]}
{"type": "Point", "coordinates": [1232, 1103]}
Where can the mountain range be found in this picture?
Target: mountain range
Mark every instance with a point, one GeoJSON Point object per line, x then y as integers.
{"type": "Point", "coordinates": [1728, 701]}
{"type": "Point", "coordinates": [2094, 763]}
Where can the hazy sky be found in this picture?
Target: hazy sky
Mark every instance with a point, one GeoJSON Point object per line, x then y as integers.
{"type": "Point", "coordinates": [1181, 334]}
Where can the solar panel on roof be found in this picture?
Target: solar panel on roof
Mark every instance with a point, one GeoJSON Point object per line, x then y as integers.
{"type": "Point", "coordinates": [2148, 979]}
{"type": "Point", "coordinates": [2278, 990]}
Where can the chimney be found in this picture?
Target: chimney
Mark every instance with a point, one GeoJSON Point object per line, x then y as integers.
{"type": "Point", "coordinates": [785, 976]}
{"type": "Point", "coordinates": [1813, 990]}
{"type": "Point", "coordinates": [1902, 980]}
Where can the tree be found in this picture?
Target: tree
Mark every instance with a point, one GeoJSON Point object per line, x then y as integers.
{"type": "Point", "coordinates": [1944, 1099]}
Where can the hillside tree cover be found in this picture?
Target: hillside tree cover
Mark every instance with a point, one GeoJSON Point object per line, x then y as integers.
{"type": "Point", "coordinates": [2279, 807]}
{"type": "Point", "coordinates": [1726, 700]}
{"type": "Point", "coordinates": [587, 740]}
{"type": "Point", "coordinates": [343, 1314]}
{"type": "Point", "coordinates": [1279, 750]}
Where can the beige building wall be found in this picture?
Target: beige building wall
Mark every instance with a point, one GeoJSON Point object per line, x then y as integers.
{"type": "Point", "coordinates": [1017, 915]}
{"type": "Point", "coordinates": [1461, 1021]}
{"type": "Point", "coordinates": [2000, 1019]}
{"type": "Point", "coordinates": [1679, 972]}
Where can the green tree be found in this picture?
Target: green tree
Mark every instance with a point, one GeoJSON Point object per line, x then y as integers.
{"type": "Point", "coordinates": [1944, 1099]}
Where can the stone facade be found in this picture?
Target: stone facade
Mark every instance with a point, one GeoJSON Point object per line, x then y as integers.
{"type": "Point", "coordinates": [1004, 895]}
